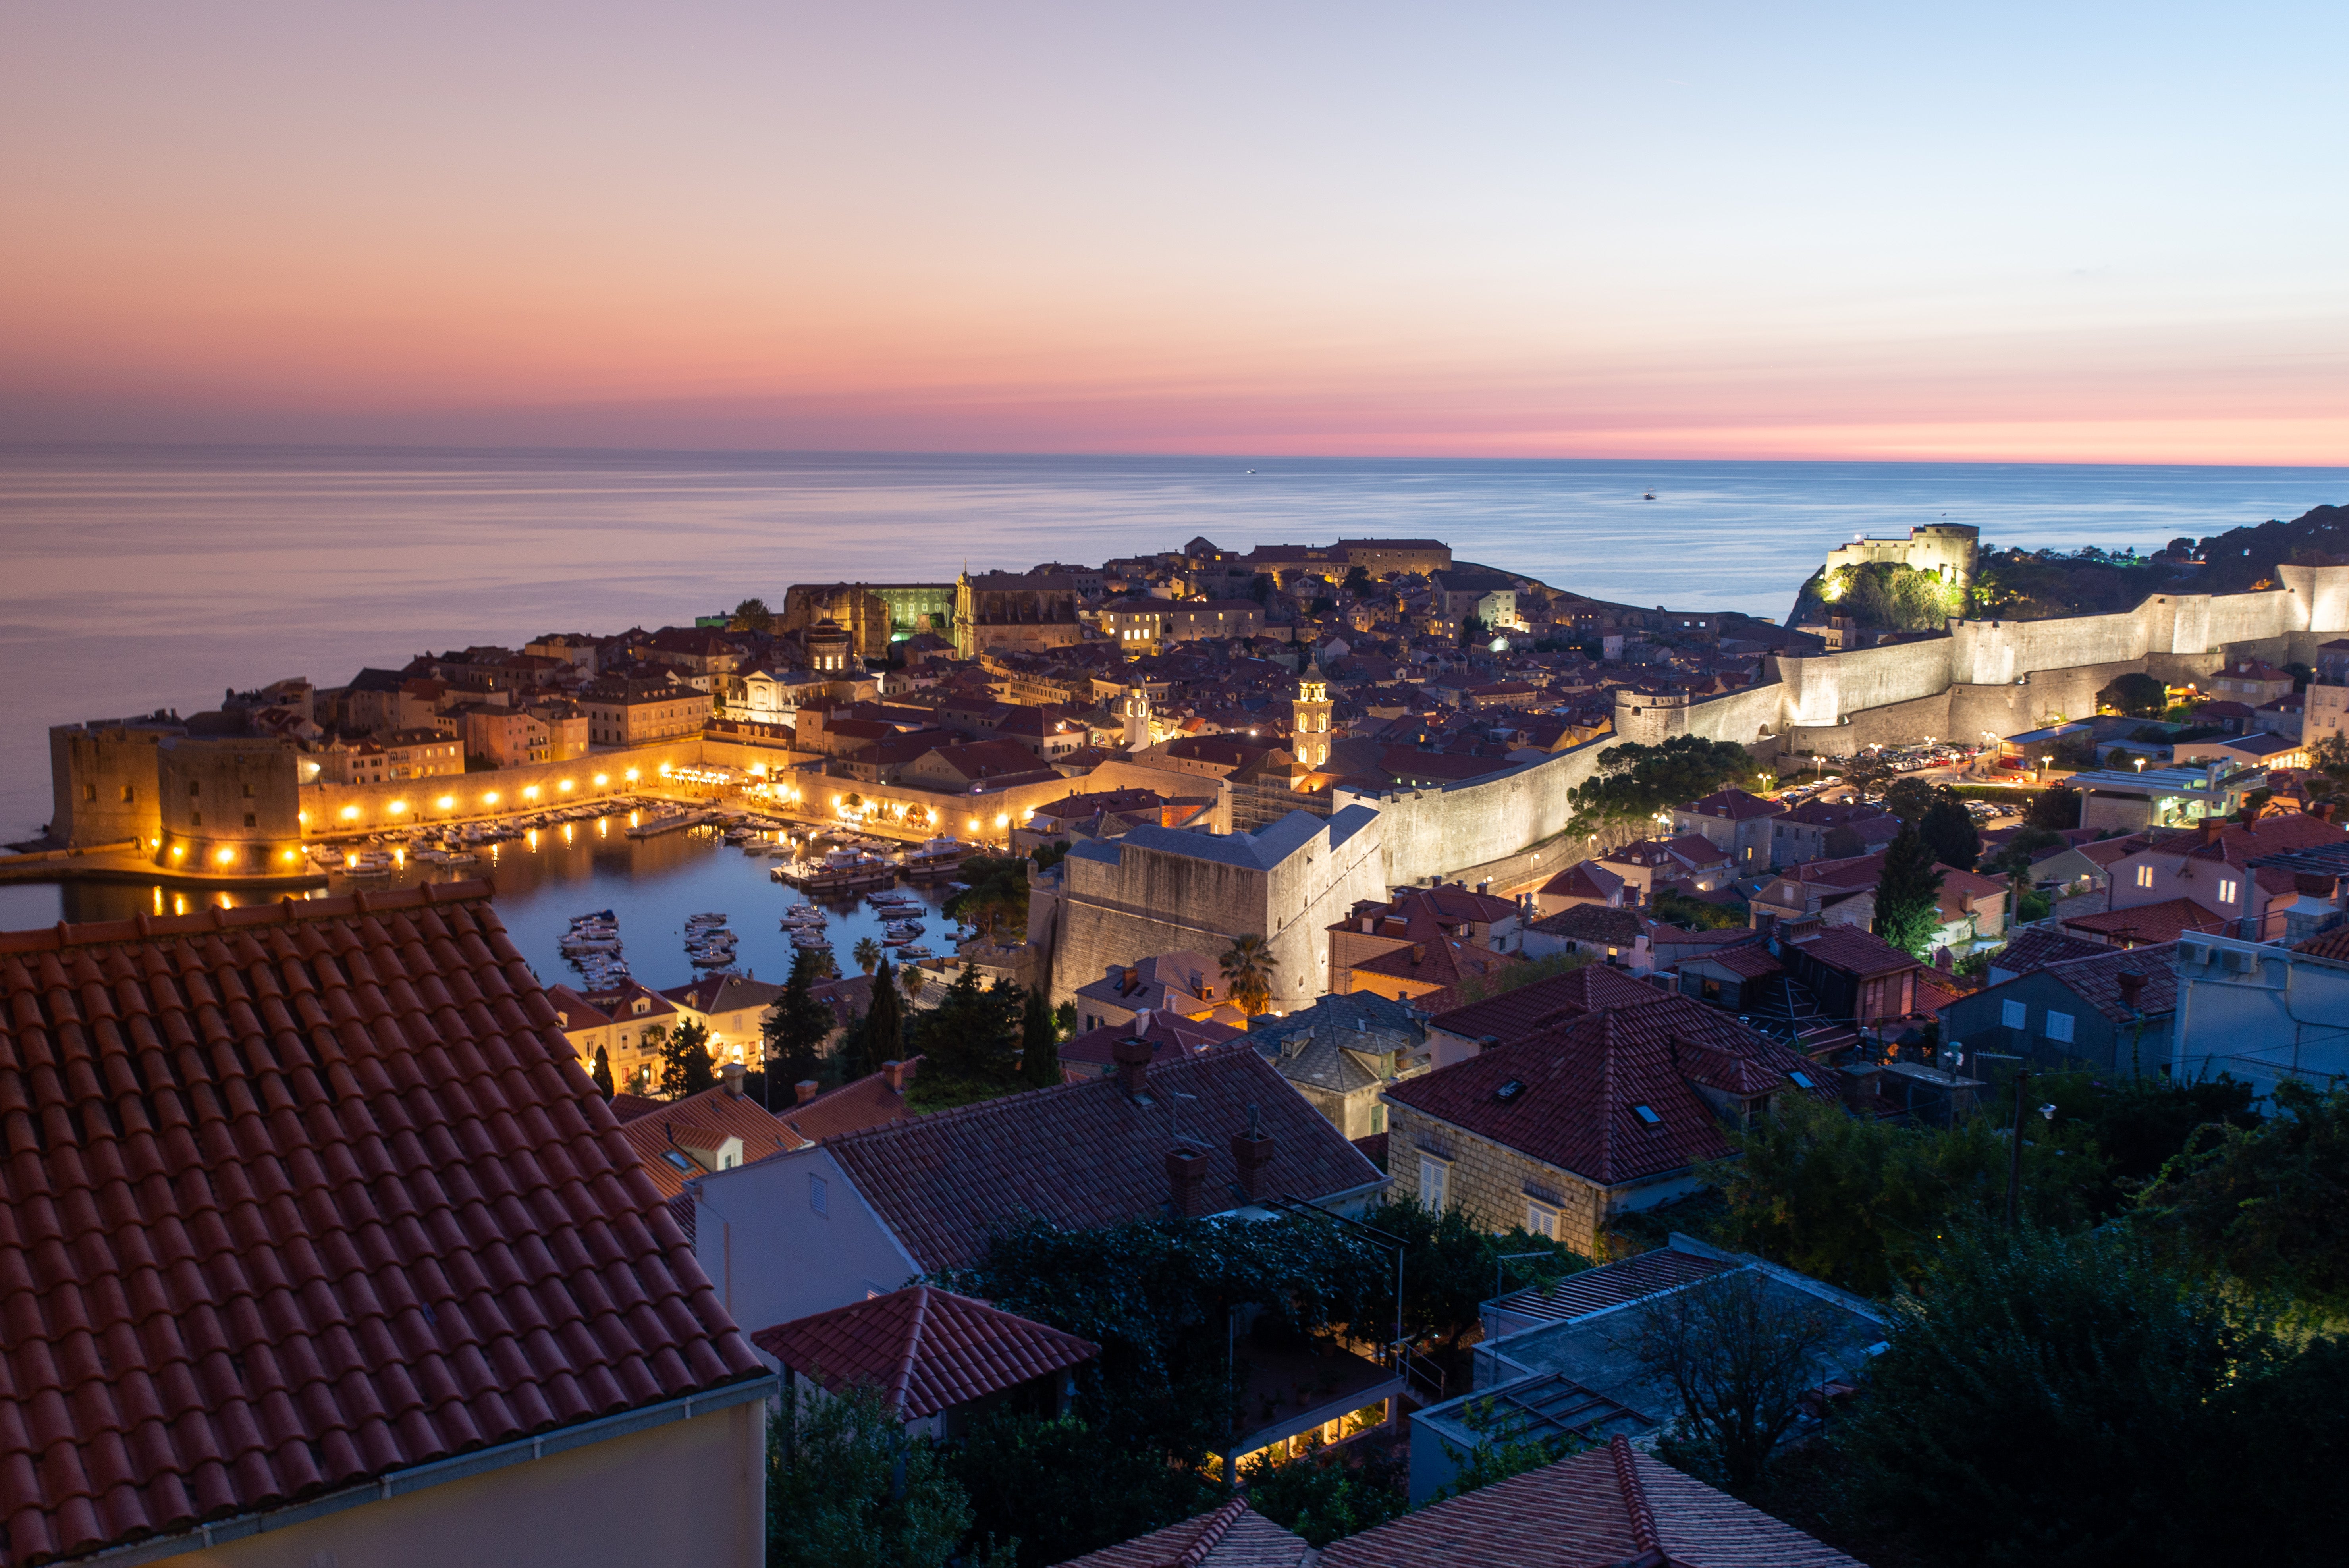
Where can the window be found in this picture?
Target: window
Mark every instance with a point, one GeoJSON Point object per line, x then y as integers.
{"type": "Point", "coordinates": [2014, 1015]}
{"type": "Point", "coordinates": [819, 1194]}
{"type": "Point", "coordinates": [2059, 1025]}
{"type": "Point", "coordinates": [1541, 1219]}
{"type": "Point", "coordinates": [1378, 1118]}
{"type": "Point", "coordinates": [251, 820]}
{"type": "Point", "coordinates": [248, 791]}
{"type": "Point", "coordinates": [2229, 889]}
{"type": "Point", "coordinates": [195, 819]}
{"type": "Point", "coordinates": [2144, 876]}
{"type": "Point", "coordinates": [127, 794]}
{"type": "Point", "coordinates": [195, 787]}
{"type": "Point", "coordinates": [677, 1159]}
{"type": "Point", "coordinates": [89, 794]}
{"type": "Point", "coordinates": [1434, 1176]}
{"type": "Point", "coordinates": [1647, 1114]}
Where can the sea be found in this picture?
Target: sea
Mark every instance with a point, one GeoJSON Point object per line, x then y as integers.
{"type": "Point", "coordinates": [139, 578]}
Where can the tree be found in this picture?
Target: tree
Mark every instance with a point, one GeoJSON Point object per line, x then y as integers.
{"type": "Point", "coordinates": [1908, 894]}
{"type": "Point", "coordinates": [2055, 810]}
{"type": "Point", "coordinates": [685, 1066]}
{"type": "Point", "coordinates": [1869, 772]}
{"type": "Point", "coordinates": [1695, 913]}
{"type": "Point", "coordinates": [1017, 1467]}
{"type": "Point", "coordinates": [995, 897]}
{"type": "Point", "coordinates": [796, 1027]}
{"type": "Point", "coordinates": [1250, 970]}
{"type": "Point", "coordinates": [969, 1034]}
{"type": "Point", "coordinates": [1636, 782]}
{"type": "Point", "coordinates": [2138, 695]}
{"type": "Point", "coordinates": [1325, 1497]}
{"type": "Point", "coordinates": [1866, 1205]}
{"type": "Point", "coordinates": [1909, 800]}
{"type": "Point", "coordinates": [1451, 1268]}
{"type": "Point", "coordinates": [867, 952]}
{"type": "Point", "coordinates": [1358, 582]}
{"type": "Point", "coordinates": [1949, 831]}
{"type": "Point", "coordinates": [847, 1489]}
{"type": "Point", "coordinates": [1039, 1056]}
{"type": "Point", "coordinates": [603, 1073]}
{"type": "Point", "coordinates": [881, 1036]}
{"type": "Point", "coordinates": [2269, 1203]}
{"type": "Point", "coordinates": [2060, 1399]}
{"type": "Point", "coordinates": [1740, 1351]}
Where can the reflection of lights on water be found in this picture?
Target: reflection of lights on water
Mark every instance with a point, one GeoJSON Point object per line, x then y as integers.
{"type": "Point", "coordinates": [159, 901]}
{"type": "Point", "coordinates": [178, 904]}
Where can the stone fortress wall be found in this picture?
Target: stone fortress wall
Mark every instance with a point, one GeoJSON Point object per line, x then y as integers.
{"type": "Point", "coordinates": [1950, 550]}
{"type": "Point", "coordinates": [1979, 677]}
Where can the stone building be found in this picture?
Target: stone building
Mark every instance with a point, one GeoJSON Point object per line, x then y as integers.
{"type": "Point", "coordinates": [1159, 889]}
{"type": "Point", "coordinates": [634, 713]}
{"type": "Point", "coordinates": [1030, 612]}
{"type": "Point", "coordinates": [1946, 550]}
{"type": "Point", "coordinates": [873, 614]}
{"type": "Point", "coordinates": [103, 779]}
{"type": "Point", "coordinates": [1563, 1130]}
{"type": "Point", "coordinates": [1341, 1051]}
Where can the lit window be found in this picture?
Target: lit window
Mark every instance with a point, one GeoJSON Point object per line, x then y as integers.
{"type": "Point", "coordinates": [2229, 889]}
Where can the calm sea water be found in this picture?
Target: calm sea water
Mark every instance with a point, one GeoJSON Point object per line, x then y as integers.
{"type": "Point", "coordinates": [652, 884]}
{"type": "Point", "coordinates": [135, 579]}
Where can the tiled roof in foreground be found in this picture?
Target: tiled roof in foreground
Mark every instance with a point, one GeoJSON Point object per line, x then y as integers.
{"type": "Point", "coordinates": [296, 1196]}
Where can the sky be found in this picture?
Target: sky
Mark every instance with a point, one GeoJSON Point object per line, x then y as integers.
{"type": "Point", "coordinates": [2079, 232]}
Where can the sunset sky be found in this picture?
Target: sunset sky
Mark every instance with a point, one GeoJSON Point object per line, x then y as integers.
{"type": "Point", "coordinates": [2079, 232]}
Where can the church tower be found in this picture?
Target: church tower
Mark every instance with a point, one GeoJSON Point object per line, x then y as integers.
{"type": "Point", "coordinates": [1309, 718]}
{"type": "Point", "coordinates": [1135, 706]}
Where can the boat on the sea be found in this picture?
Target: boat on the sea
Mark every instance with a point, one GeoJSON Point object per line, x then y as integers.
{"type": "Point", "coordinates": [937, 857]}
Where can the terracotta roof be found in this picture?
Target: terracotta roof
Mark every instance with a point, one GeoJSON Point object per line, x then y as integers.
{"type": "Point", "coordinates": [860, 1103]}
{"type": "Point", "coordinates": [1593, 923]}
{"type": "Point", "coordinates": [1736, 805]}
{"type": "Point", "coordinates": [926, 1349]}
{"type": "Point", "coordinates": [1747, 961]}
{"type": "Point", "coordinates": [1607, 1097]}
{"type": "Point", "coordinates": [2334, 943]}
{"type": "Point", "coordinates": [1593, 988]}
{"type": "Point", "coordinates": [2149, 923]}
{"type": "Point", "coordinates": [298, 1195]}
{"type": "Point", "coordinates": [1602, 1506]}
{"type": "Point", "coordinates": [1233, 1536]}
{"type": "Point", "coordinates": [672, 1138]}
{"type": "Point", "coordinates": [2037, 947]}
{"type": "Point", "coordinates": [2097, 981]}
{"type": "Point", "coordinates": [1083, 1154]}
{"type": "Point", "coordinates": [1579, 880]}
{"type": "Point", "coordinates": [1855, 952]}
{"type": "Point", "coordinates": [1169, 1036]}
{"type": "Point", "coordinates": [2239, 842]}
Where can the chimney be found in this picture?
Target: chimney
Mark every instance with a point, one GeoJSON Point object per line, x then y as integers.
{"type": "Point", "coordinates": [1418, 953]}
{"type": "Point", "coordinates": [1132, 1058]}
{"type": "Point", "coordinates": [805, 1089]}
{"type": "Point", "coordinates": [1131, 982]}
{"type": "Point", "coordinates": [1186, 1175]}
{"type": "Point", "coordinates": [731, 1075]}
{"type": "Point", "coordinates": [2132, 986]}
{"type": "Point", "coordinates": [1252, 1152]}
{"type": "Point", "coordinates": [2209, 827]}
{"type": "Point", "coordinates": [897, 1075]}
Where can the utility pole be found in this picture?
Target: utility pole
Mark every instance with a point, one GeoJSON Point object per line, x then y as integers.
{"type": "Point", "coordinates": [2014, 1154]}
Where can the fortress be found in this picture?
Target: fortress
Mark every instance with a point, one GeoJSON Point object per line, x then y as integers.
{"type": "Point", "coordinates": [1949, 551]}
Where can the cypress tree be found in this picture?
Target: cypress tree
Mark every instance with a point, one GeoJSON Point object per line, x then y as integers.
{"type": "Point", "coordinates": [603, 1073]}
{"type": "Point", "coordinates": [1908, 894]}
{"type": "Point", "coordinates": [885, 1025]}
{"type": "Point", "coordinates": [1950, 832]}
{"type": "Point", "coordinates": [797, 1025]}
{"type": "Point", "coordinates": [1039, 1056]}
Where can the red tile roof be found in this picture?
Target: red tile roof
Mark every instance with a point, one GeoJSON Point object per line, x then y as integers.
{"type": "Point", "coordinates": [2147, 923]}
{"type": "Point", "coordinates": [2334, 943]}
{"type": "Point", "coordinates": [1604, 1505]}
{"type": "Point", "coordinates": [1083, 1154]}
{"type": "Point", "coordinates": [666, 1136]}
{"type": "Point", "coordinates": [1581, 1087]}
{"type": "Point", "coordinates": [926, 1349]}
{"type": "Point", "coordinates": [1736, 805]}
{"type": "Point", "coordinates": [298, 1195]}
{"type": "Point", "coordinates": [1232, 1536]}
{"type": "Point", "coordinates": [1512, 1015]}
{"type": "Point", "coordinates": [2097, 981]}
{"type": "Point", "coordinates": [1855, 952]}
{"type": "Point", "coordinates": [868, 1101]}
{"type": "Point", "coordinates": [2239, 842]}
{"type": "Point", "coordinates": [1169, 1036]}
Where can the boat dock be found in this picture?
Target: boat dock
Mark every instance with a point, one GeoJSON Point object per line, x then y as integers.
{"type": "Point", "coordinates": [655, 826]}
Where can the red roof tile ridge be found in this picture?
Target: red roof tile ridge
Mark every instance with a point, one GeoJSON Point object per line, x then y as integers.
{"type": "Point", "coordinates": [905, 1380]}
{"type": "Point", "coordinates": [1212, 1533]}
{"type": "Point", "coordinates": [1635, 1495]}
{"type": "Point", "coordinates": [286, 911]}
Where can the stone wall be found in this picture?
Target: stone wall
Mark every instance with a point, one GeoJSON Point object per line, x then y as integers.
{"type": "Point", "coordinates": [329, 808]}
{"type": "Point", "coordinates": [104, 779]}
{"type": "Point", "coordinates": [1494, 1186]}
{"type": "Point", "coordinates": [229, 804]}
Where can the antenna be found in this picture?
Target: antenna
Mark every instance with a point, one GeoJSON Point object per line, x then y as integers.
{"type": "Point", "coordinates": [1175, 1112]}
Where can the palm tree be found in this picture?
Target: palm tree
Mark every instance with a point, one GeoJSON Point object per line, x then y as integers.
{"type": "Point", "coordinates": [1249, 969]}
{"type": "Point", "coordinates": [911, 978]}
{"type": "Point", "coordinates": [867, 952]}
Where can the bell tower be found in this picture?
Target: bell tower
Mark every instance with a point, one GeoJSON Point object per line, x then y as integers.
{"type": "Point", "coordinates": [1135, 708]}
{"type": "Point", "coordinates": [1309, 716]}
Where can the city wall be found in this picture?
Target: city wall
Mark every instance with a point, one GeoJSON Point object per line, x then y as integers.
{"type": "Point", "coordinates": [1982, 677]}
{"type": "Point", "coordinates": [329, 808]}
